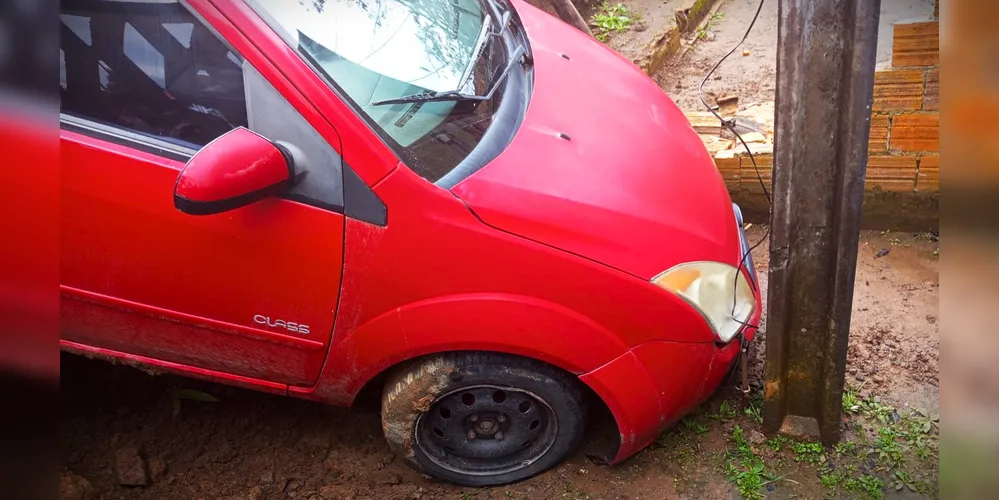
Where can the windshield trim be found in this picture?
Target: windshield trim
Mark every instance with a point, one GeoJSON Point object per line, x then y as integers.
{"type": "Point", "coordinates": [516, 96]}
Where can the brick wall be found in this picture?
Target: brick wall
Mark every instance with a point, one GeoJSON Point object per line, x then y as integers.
{"type": "Point", "coordinates": [904, 163]}
{"type": "Point", "coordinates": [904, 144]}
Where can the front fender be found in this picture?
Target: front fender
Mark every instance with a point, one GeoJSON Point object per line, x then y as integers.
{"type": "Point", "coordinates": [514, 324]}
{"type": "Point", "coordinates": [510, 323]}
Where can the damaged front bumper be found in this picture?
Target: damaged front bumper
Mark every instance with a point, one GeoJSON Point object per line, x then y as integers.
{"type": "Point", "coordinates": [653, 385]}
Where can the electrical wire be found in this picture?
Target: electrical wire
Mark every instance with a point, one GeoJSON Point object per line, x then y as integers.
{"type": "Point", "coordinates": [730, 124]}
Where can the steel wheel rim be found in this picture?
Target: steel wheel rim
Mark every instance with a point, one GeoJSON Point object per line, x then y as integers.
{"type": "Point", "coordinates": [500, 445]}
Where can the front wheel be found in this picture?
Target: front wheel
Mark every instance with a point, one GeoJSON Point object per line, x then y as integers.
{"type": "Point", "coordinates": [482, 419]}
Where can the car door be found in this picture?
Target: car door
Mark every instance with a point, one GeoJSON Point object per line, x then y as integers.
{"type": "Point", "coordinates": [246, 294]}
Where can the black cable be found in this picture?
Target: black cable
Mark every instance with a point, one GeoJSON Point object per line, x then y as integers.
{"type": "Point", "coordinates": [730, 124]}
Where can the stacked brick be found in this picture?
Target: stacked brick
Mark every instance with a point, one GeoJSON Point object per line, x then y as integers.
{"type": "Point", "coordinates": [905, 118]}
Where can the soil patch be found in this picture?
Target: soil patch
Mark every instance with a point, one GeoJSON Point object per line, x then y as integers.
{"type": "Point", "coordinates": [753, 77]}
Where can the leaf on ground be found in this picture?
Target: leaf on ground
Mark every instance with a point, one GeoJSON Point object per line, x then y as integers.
{"type": "Point", "coordinates": [195, 395]}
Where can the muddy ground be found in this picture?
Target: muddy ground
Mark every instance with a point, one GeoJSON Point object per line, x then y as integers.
{"type": "Point", "coordinates": [119, 425]}
{"type": "Point", "coordinates": [751, 77]}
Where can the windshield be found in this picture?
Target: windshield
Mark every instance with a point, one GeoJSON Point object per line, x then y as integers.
{"type": "Point", "coordinates": [376, 50]}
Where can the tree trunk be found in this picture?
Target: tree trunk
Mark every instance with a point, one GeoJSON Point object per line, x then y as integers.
{"type": "Point", "coordinates": [564, 10]}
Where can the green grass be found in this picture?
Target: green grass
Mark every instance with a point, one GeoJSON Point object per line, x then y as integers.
{"type": "Point", "coordinates": [755, 409]}
{"type": "Point", "coordinates": [872, 486]}
{"type": "Point", "coordinates": [610, 18]}
{"type": "Point", "coordinates": [690, 423]}
{"type": "Point", "coordinates": [831, 478]}
{"type": "Point", "coordinates": [725, 412]}
{"type": "Point", "coordinates": [682, 442]}
{"type": "Point", "coordinates": [911, 429]}
{"type": "Point", "coordinates": [702, 32]}
{"type": "Point", "coordinates": [918, 431]}
{"type": "Point", "coordinates": [851, 401]}
{"type": "Point", "coordinates": [845, 447]}
{"type": "Point", "coordinates": [777, 442]}
{"type": "Point", "coordinates": [812, 453]}
{"type": "Point", "coordinates": [898, 438]}
{"type": "Point", "coordinates": [890, 453]}
{"type": "Point", "coordinates": [871, 406]}
{"type": "Point", "coordinates": [745, 469]}
{"type": "Point", "coordinates": [902, 480]}
{"type": "Point", "coordinates": [886, 449]}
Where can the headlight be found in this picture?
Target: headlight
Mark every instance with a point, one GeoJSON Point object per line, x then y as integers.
{"type": "Point", "coordinates": [713, 288]}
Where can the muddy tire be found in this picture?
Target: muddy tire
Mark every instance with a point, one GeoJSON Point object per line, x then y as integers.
{"type": "Point", "coordinates": [482, 419]}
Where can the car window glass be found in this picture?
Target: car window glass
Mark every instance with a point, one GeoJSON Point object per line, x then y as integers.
{"type": "Point", "coordinates": [150, 67]}
{"type": "Point", "coordinates": [371, 51]}
{"type": "Point", "coordinates": [383, 50]}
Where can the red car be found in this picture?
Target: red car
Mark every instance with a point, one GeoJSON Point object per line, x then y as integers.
{"type": "Point", "coordinates": [465, 205]}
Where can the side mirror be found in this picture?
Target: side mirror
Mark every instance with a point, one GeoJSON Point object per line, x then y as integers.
{"type": "Point", "coordinates": [234, 170]}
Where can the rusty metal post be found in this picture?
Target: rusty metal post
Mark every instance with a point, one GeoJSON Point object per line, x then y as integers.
{"type": "Point", "coordinates": [825, 77]}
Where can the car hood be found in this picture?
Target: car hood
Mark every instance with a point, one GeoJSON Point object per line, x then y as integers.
{"type": "Point", "coordinates": [604, 164]}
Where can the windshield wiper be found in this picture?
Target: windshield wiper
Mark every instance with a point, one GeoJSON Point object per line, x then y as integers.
{"type": "Point", "coordinates": [454, 95]}
{"type": "Point", "coordinates": [503, 19]}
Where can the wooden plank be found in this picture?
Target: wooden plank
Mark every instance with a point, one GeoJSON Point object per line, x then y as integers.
{"type": "Point", "coordinates": [753, 137]}
{"type": "Point", "coordinates": [878, 141]}
{"type": "Point", "coordinates": [891, 173]}
{"type": "Point", "coordinates": [714, 144]}
{"type": "Point", "coordinates": [916, 44]}
{"type": "Point", "coordinates": [763, 114]}
{"type": "Point", "coordinates": [928, 178]}
{"type": "Point", "coordinates": [730, 172]}
{"type": "Point", "coordinates": [915, 132]}
{"type": "Point", "coordinates": [704, 122]}
{"type": "Point", "coordinates": [898, 90]}
{"type": "Point", "coordinates": [766, 148]}
{"type": "Point", "coordinates": [725, 154]}
{"type": "Point", "coordinates": [931, 93]}
{"type": "Point", "coordinates": [655, 54]}
{"type": "Point", "coordinates": [748, 177]}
